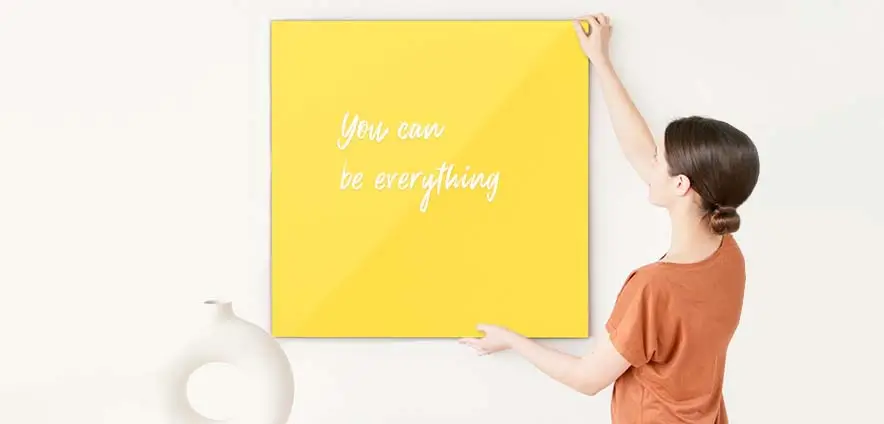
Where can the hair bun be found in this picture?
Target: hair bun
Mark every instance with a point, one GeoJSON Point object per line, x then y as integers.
{"type": "Point", "coordinates": [724, 220]}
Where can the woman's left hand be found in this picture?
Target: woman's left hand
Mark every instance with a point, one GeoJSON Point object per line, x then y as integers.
{"type": "Point", "coordinates": [496, 339]}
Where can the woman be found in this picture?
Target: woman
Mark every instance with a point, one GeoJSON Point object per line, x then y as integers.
{"type": "Point", "coordinates": [673, 320]}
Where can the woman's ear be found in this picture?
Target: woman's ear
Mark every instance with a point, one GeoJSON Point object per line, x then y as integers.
{"type": "Point", "coordinates": [682, 185]}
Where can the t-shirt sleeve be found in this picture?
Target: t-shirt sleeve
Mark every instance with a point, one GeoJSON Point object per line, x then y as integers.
{"type": "Point", "coordinates": [632, 326]}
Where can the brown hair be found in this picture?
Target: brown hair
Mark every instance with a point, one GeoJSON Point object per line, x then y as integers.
{"type": "Point", "coordinates": [720, 161]}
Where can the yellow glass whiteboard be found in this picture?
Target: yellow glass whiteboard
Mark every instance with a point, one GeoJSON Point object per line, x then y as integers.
{"type": "Point", "coordinates": [428, 176]}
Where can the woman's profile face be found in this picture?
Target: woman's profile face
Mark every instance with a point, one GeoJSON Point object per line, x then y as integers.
{"type": "Point", "coordinates": [664, 189]}
{"type": "Point", "coordinates": [661, 187]}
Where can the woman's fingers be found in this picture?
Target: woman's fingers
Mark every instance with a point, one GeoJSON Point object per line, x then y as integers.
{"type": "Point", "coordinates": [605, 20]}
{"type": "Point", "coordinates": [579, 28]}
{"type": "Point", "coordinates": [475, 344]}
{"type": "Point", "coordinates": [592, 20]}
{"type": "Point", "coordinates": [599, 19]}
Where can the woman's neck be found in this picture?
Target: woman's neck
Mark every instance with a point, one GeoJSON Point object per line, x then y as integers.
{"type": "Point", "coordinates": [691, 240]}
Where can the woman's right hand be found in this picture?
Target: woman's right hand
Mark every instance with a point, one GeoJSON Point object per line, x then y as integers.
{"type": "Point", "coordinates": [595, 44]}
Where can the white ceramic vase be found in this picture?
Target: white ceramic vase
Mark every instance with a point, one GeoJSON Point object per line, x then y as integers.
{"type": "Point", "coordinates": [232, 340]}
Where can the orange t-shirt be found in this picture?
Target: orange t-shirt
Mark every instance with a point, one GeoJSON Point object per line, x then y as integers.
{"type": "Point", "coordinates": [673, 323]}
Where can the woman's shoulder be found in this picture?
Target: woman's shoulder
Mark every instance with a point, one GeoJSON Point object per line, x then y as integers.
{"type": "Point", "coordinates": [726, 260]}
{"type": "Point", "coordinates": [660, 271]}
{"type": "Point", "coordinates": [727, 253]}
{"type": "Point", "coordinates": [648, 275]}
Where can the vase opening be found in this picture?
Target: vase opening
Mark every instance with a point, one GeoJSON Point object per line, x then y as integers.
{"type": "Point", "coordinates": [220, 308]}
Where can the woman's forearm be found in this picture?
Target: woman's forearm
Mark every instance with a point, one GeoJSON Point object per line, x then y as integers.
{"type": "Point", "coordinates": [560, 366]}
{"type": "Point", "coordinates": [635, 138]}
{"type": "Point", "coordinates": [587, 374]}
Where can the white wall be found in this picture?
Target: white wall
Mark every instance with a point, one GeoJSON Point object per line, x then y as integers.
{"type": "Point", "coordinates": [134, 182]}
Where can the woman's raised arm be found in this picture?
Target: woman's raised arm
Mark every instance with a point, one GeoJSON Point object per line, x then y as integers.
{"type": "Point", "coordinates": [635, 138]}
